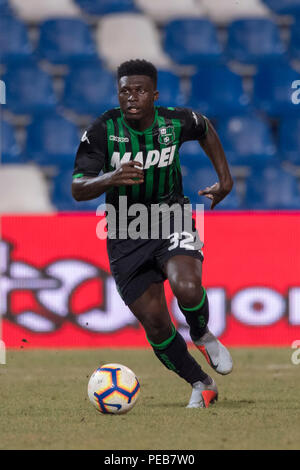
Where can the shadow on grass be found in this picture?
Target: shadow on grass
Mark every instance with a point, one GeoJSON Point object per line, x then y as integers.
{"type": "Point", "coordinates": [168, 405]}
{"type": "Point", "coordinates": [235, 403]}
{"type": "Point", "coordinates": [221, 404]}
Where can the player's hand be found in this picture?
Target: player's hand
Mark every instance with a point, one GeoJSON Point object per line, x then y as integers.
{"type": "Point", "coordinates": [216, 193]}
{"type": "Point", "coordinates": [128, 174]}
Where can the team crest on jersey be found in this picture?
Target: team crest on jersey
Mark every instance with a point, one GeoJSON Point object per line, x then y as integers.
{"type": "Point", "coordinates": [166, 135]}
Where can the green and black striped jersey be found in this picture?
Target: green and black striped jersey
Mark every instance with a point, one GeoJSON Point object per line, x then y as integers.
{"type": "Point", "coordinates": [110, 141]}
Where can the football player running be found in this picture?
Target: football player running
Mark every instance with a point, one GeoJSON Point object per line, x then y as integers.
{"type": "Point", "coordinates": [136, 147]}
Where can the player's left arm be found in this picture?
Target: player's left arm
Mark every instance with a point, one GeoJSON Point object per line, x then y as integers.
{"type": "Point", "coordinates": [213, 148]}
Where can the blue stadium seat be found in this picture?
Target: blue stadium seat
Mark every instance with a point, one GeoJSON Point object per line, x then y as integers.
{"type": "Point", "coordinates": [14, 42]}
{"type": "Point", "coordinates": [192, 157]}
{"type": "Point", "coordinates": [272, 187]}
{"type": "Point", "coordinates": [90, 90]}
{"type": "Point", "coordinates": [10, 149]}
{"type": "Point", "coordinates": [289, 140]}
{"type": "Point", "coordinates": [66, 41]}
{"type": "Point", "coordinates": [284, 7]}
{"type": "Point", "coordinates": [191, 148]}
{"type": "Point", "coordinates": [253, 41]}
{"type": "Point", "coordinates": [103, 7]}
{"type": "Point", "coordinates": [247, 140]}
{"type": "Point", "coordinates": [5, 8]}
{"type": "Point", "coordinates": [61, 195]}
{"type": "Point", "coordinates": [295, 40]}
{"type": "Point", "coordinates": [192, 41]}
{"type": "Point", "coordinates": [273, 92]}
{"type": "Point", "coordinates": [198, 174]}
{"type": "Point", "coordinates": [29, 90]}
{"type": "Point", "coordinates": [217, 91]}
{"type": "Point", "coordinates": [52, 140]}
{"type": "Point", "coordinates": [169, 88]}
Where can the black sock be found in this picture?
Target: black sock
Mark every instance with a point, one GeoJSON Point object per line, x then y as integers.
{"type": "Point", "coordinates": [174, 355]}
{"type": "Point", "coordinates": [197, 317]}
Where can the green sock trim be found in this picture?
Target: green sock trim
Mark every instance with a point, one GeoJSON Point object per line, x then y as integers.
{"type": "Point", "coordinates": [192, 309]}
{"type": "Point", "coordinates": [165, 343]}
{"type": "Point", "coordinates": [78, 175]}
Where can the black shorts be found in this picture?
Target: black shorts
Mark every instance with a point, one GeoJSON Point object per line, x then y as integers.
{"type": "Point", "coordinates": [136, 264]}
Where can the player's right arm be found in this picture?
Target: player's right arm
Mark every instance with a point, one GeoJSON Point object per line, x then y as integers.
{"type": "Point", "coordinates": [88, 187]}
{"type": "Point", "coordinates": [90, 159]}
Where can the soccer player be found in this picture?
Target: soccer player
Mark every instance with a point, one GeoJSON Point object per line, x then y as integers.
{"type": "Point", "coordinates": [136, 147]}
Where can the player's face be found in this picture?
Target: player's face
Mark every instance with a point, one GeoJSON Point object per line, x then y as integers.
{"type": "Point", "coordinates": [136, 96]}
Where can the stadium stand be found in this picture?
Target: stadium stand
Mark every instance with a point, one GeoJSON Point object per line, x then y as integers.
{"type": "Point", "coordinates": [192, 41]}
{"type": "Point", "coordinates": [192, 148]}
{"type": "Point", "coordinates": [272, 187]}
{"type": "Point", "coordinates": [289, 140]}
{"type": "Point", "coordinates": [254, 41]}
{"type": "Point", "coordinates": [223, 12]}
{"type": "Point", "coordinates": [25, 190]}
{"type": "Point", "coordinates": [198, 176]}
{"type": "Point", "coordinates": [198, 172]}
{"type": "Point", "coordinates": [5, 8]}
{"type": "Point", "coordinates": [35, 11]}
{"type": "Point", "coordinates": [89, 89]}
{"type": "Point", "coordinates": [217, 91]}
{"type": "Point", "coordinates": [273, 89]}
{"type": "Point", "coordinates": [286, 7]}
{"type": "Point", "coordinates": [142, 40]}
{"type": "Point", "coordinates": [252, 107]}
{"type": "Point", "coordinates": [66, 41]}
{"type": "Point", "coordinates": [29, 90]}
{"type": "Point", "coordinates": [294, 49]}
{"type": "Point", "coordinates": [103, 7]}
{"type": "Point", "coordinates": [168, 10]}
{"type": "Point", "coordinates": [62, 198]}
{"type": "Point", "coordinates": [247, 148]}
{"type": "Point", "coordinates": [10, 149]}
{"type": "Point", "coordinates": [14, 41]}
{"type": "Point", "coordinates": [52, 140]}
{"type": "Point", "coordinates": [170, 90]}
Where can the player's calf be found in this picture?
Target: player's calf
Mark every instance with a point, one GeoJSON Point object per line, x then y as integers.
{"type": "Point", "coordinates": [215, 353]}
{"type": "Point", "coordinates": [197, 316]}
{"type": "Point", "coordinates": [174, 355]}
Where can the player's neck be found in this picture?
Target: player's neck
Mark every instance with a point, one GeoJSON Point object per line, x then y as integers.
{"type": "Point", "coordinates": [142, 124]}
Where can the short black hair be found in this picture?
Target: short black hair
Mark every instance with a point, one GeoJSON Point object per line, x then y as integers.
{"type": "Point", "coordinates": [138, 67]}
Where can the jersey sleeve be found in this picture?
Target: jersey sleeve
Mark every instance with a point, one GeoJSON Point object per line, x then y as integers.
{"type": "Point", "coordinates": [90, 156]}
{"type": "Point", "coordinates": [195, 125]}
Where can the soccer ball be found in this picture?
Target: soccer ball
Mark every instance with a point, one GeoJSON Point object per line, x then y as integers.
{"type": "Point", "coordinates": [113, 389]}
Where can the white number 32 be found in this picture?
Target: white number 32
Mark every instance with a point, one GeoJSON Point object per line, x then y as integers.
{"type": "Point", "coordinates": [182, 240]}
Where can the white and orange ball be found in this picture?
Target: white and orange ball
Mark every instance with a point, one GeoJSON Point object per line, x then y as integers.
{"type": "Point", "coordinates": [113, 389]}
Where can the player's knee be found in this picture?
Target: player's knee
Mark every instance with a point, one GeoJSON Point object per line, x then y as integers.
{"type": "Point", "coordinates": [188, 291]}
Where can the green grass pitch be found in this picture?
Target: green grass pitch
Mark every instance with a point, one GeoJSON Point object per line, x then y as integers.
{"type": "Point", "coordinates": [44, 403]}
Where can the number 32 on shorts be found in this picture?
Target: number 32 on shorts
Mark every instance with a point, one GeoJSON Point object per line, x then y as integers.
{"type": "Point", "coordinates": [183, 240]}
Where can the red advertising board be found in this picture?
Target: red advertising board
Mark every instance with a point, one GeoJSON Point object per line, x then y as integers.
{"type": "Point", "coordinates": [56, 289]}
